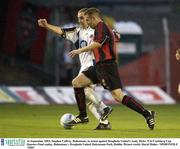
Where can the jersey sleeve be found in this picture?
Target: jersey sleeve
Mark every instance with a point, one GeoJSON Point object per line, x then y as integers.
{"type": "Point", "coordinates": [70, 34]}
{"type": "Point", "coordinates": [101, 33]}
{"type": "Point", "coordinates": [116, 35]}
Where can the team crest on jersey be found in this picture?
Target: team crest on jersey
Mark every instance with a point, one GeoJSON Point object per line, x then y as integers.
{"type": "Point", "coordinates": [83, 43]}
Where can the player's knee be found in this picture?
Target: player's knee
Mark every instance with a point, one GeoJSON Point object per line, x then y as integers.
{"type": "Point", "coordinates": [117, 95]}
{"type": "Point", "coordinates": [116, 98]}
{"type": "Point", "coordinates": [179, 89]}
{"type": "Point", "coordinates": [76, 83]}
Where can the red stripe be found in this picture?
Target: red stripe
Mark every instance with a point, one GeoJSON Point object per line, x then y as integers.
{"type": "Point", "coordinates": [80, 102]}
{"type": "Point", "coordinates": [114, 43]}
{"type": "Point", "coordinates": [96, 54]}
{"type": "Point", "coordinates": [100, 32]}
{"type": "Point", "coordinates": [136, 104]}
{"type": "Point", "coordinates": [106, 47]}
{"type": "Point", "coordinates": [126, 100]}
{"type": "Point", "coordinates": [115, 50]}
{"type": "Point", "coordinates": [98, 39]}
{"type": "Point", "coordinates": [106, 50]}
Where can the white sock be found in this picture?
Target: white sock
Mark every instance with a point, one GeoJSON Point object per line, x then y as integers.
{"type": "Point", "coordinates": [92, 97]}
{"type": "Point", "coordinates": [94, 111]}
{"type": "Point", "coordinates": [101, 106]}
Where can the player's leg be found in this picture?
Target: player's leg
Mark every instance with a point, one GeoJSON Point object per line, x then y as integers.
{"type": "Point", "coordinates": [104, 109]}
{"type": "Point", "coordinates": [103, 124]}
{"type": "Point", "coordinates": [119, 96]}
{"type": "Point", "coordinates": [92, 108]}
{"type": "Point", "coordinates": [134, 105]}
{"type": "Point", "coordinates": [91, 96]}
{"type": "Point", "coordinates": [83, 80]}
{"type": "Point", "coordinates": [92, 75]}
{"type": "Point", "coordinates": [110, 80]}
{"type": "Point", "coordinates": [79, 83]}
{"type": "Point", "coordinates": [97, 108]}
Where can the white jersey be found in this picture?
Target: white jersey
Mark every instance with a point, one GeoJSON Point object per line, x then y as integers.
{"type": "Point", "coordinates": [81, 38]}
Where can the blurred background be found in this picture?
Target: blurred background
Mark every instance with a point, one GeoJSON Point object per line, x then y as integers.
{"type": "Point", "coordinates": [34, 62]}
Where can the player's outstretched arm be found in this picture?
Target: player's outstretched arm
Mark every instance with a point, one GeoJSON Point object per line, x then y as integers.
{"type": "Point", "coordinates": [90, 47]}
{"type": "Point", "coordinates": [56, 29]}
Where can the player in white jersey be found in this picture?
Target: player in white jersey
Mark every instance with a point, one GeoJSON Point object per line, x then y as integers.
{"type": "Point", "coordinates": [81, 37]}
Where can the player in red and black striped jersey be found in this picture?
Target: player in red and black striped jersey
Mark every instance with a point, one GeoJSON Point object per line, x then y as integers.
{"type": "Point", "coordinates": [104, 36]}
{"type": "Point", "coordinates": [106, 69]}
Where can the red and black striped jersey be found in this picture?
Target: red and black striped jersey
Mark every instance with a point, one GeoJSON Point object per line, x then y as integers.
{"type": "Point", "coordinates": [105, 36]}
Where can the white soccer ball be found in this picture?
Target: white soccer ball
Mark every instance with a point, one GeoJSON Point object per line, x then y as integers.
{"type": "Point", "coordinates": [65, 119]}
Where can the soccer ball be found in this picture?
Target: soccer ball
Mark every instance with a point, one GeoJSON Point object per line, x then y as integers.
{"type": "Point", "coordinates": [65, 119]}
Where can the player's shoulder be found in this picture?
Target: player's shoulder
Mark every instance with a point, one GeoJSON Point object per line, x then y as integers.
{"type": "Point", "coordinates": [101, 25]}
{"type": "Point", "coordinates": [69, 29]}
{"type": "Point", "coordinates": [91, 29]}
{"type": "Point", "coordinates": [78, 29]}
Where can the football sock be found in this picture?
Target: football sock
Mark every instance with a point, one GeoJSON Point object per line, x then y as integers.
{"type": "Point", "coordinates": [134, 105]}
{"type": "Point", "coordinates": [94, 111]}
{"type": "Point", "coordinates": [81, 101]}
{"type": "Point", "coordinates": [91, 96]}
{"type": "Point", "coordinates": [102, 106]}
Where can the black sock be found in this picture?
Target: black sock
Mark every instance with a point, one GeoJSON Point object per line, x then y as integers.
{"type": "Point", "coordinates": [81, 101]}
{"type": "Point", "coordinates": [134, 105]}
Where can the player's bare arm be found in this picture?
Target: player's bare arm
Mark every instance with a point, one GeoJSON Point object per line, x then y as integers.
{"type": "Point", "coordinates": [178, 54]}
{"type": "Point", "coordinates": [56, 29]}
{"type": "Point", "coordinates": [90, 47]}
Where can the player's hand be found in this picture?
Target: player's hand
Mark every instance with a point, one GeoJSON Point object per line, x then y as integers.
{"type": "Point", "coordinates": [74, 53]}
{"type": "Point", "coordinates": [42, 22]}
{"type": "Point", "coordinates": [178, 54]}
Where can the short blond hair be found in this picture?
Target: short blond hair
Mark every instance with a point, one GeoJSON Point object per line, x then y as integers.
{"type": "Point", "coordinates": [82, 10]}
{"type": "Point", "coordinates": [93, 12]}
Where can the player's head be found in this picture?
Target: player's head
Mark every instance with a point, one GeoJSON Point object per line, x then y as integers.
{"type": "Point", "coordinates": [81, 17]}
{"type": "Point", "coordinates": [93, 16]}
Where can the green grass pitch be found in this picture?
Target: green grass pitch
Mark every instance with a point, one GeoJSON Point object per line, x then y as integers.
{"type": "Point", "coordinates": [42, 121]}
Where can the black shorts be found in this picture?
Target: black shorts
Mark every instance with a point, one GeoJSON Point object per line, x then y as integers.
{"type": "Point", "coordinates": [105, 73]}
